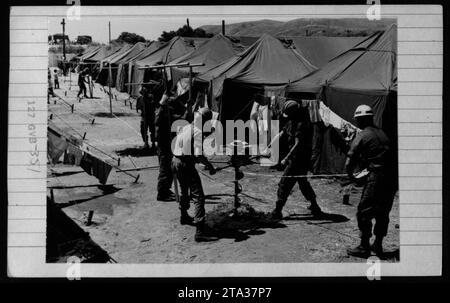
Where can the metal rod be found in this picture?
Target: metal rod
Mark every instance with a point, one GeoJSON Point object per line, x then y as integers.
{"type": "Point", "coordinates": [171, 65]}
{"type": "Point", "coordinates": [141, 83]}
{"type": "Point", "coordinates": [190, 84]}
{"type": "Point", "coordinates": [138, 168]}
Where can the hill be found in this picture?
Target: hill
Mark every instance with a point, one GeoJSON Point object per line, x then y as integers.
{"type": "Point", "coordinates": [303, 27]}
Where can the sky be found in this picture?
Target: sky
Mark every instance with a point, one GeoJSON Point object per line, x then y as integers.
{"type": "Point", "coordinates": [148, 27]}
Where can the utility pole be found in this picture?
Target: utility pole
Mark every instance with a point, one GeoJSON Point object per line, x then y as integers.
{"type": "Point", "coordinates": [109, 27]}
{"type": "Point", "coordinates": [223, 27]}
{"type": "Point", "coordinates": [63, 23]}
{"type": "Point", "coordinates": [110, 94]}
{"type": "Point", "coordinates": [187, 22]}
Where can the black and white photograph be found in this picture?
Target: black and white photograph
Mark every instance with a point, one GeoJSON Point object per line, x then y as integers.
{"type": "Point", "coordinates": [225, 141]}
{"type": "Point", "coordinates": [222, 140]}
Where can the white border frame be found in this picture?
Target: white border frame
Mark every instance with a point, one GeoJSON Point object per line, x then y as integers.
{"type": "Point", "coordinates": [420, 71]}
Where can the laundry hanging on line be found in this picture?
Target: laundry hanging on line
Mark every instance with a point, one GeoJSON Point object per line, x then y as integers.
{"type": "Point", "coordinates": [73, 155]}
{"type": "Point", "coordinates": [95, 167]}
{"type": "Point", "coordinates": [314, 109]}
{"type": "Point", "coordinates": [56, 145]}
{"type": "Point", "coordinates": [260, 114]}
{"type": "Point", "coordinates": [347, 129]}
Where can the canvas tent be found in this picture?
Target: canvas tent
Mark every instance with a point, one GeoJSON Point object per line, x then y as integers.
{"type": "Point", "coordinates": [89, 53]}
{"type": "Point", "coordinates": [211, 53]}
{"type": "Point", "coordinates": [123, 49]}
{"type": "Point", "coordinates": [103, 52]}
{"type": "Point", "coordinates": [165, 53]}
{"type": "Point", "coordinates": [173, 49]}
{"type": "Point", "coordinates": [121, 63]}
{"type": "Point", "coordinates": [319, 50]}
{"type": "Point", "coordinates": [366, 74]}
{"type": "Point", "coordinates": [105, 62]}
{"type": "Point", "coordinates": [266, 65]}
{"type": "Point", "coordinates": [89, 50]}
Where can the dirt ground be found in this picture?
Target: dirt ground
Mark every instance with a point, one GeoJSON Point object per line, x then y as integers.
{"type": "Point", "coordinates": [135, 228]}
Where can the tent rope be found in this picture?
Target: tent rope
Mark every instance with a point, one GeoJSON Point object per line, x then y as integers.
{"type": "Point", "coordinates": [84, 140]}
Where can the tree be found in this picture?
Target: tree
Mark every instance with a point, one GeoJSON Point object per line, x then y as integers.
{"type": "Point", "coordinates": [184, 31]}
{"type": "Point", "coordinates": [166, 36]}
{"type": "Point", "coordinates": [130, 38]}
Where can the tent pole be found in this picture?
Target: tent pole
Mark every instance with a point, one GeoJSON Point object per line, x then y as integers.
{"type": "Point", "coordinates": [190, 84]}
{"type": "Point", "coordinates": [269, 121]}
{"type": "Point", "coordinates": [110, 94]}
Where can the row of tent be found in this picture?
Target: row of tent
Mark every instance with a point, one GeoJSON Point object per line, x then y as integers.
{"type": "Point", "coordinates": [126, 59]}
{"type": "Point", "coordinates": [343, 72]}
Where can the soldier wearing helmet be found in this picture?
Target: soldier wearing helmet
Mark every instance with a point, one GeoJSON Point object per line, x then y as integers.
{"type": "Point", "coordinates": [371, 150]}
{"type": "Point", "coordinates": [297, 161]}
{"type": "Point", "coordinates": [188, 151]}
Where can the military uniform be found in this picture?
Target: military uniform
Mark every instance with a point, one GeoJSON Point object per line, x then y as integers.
{"type": "Point", "coordinates": [371, 146]}
{"type": "Point", "coordinates": [188, 145]}
{"type": "Point", "coordinates": [298, 164]}
{"type": "Point", "coordinates": [81, 84]}
{"type": "Point", "coordinates": [164, 139]}
{"type": "Point", "coordinates": [147, 107]}
{"type": "Point", "coordinates": [165, 115]}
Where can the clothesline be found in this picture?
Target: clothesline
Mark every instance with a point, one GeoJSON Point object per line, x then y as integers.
{"type": "Point", "coordinates": [84, 141]}
{"type": "Point", "coordinates": [82, 114]}
{"type": "Point", "coordinates": [322, 107]}
{"type": "Point", "coordinates": [86, 151]}
{"type": "Point", "coordinates": [123, 121]}
{"type": "Point", "coordinates": [294, 176]}
{"type": "Point", "coordinates": [115, 116]}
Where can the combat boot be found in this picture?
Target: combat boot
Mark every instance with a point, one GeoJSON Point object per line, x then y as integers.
{"type": "Point", "coordinates": [277, 214]}
{"type": "Point", "coordinates": [185, 219]}
{"type": "Point", "coordinates": [315, 209]}
{"type": "Point", "coordinates": [377, 247]}
{"type": "Point", "coordinates": [362, 250]}
{"type": "Point", "coordinates": [203, 234]}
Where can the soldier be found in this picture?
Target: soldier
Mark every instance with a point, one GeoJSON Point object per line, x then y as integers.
{"type": "Point", "coordinates": [55, 78]}
{"type": "Point", "coordinates": [372, 147]}
{"type": "Point", "coordinates": [146, 104]}
{"type": "Point", "coordinates": [297, 161]}
{"type": "Point", "coordinates": [81, 83]}
{"type": "Point", "coordinates": [188, 151]}
{"type": "Point", "coordinates": [168, 111]}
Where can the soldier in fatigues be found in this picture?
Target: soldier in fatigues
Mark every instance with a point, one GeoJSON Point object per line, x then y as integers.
{"type": "Point", "coordinates": [371, 146]}
{"type": "Point", "coordinates": [187, 152]}
{"type": "Point", "coordinates": [165, 115]}
{"type": "Point", "coordinates": [146, 104]}
{"type": "Point", "coordinates": [297, 162]}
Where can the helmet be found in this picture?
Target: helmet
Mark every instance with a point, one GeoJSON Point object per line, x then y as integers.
{"type": "Point", "coordinates": [206, 113]}
{"type": "Point", "coordinates": [290, 107]}
{"type": "Point", "coordinates": [363, 110]}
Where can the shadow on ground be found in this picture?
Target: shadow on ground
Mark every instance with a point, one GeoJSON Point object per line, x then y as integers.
{"type": "Point", "coordinates": [65, 173]}
{"type": "Point", "coordinates": [323, 218]}
{"type": "Point", "coordinates": [103, 203]}
{"type": "Point", "coordinates": [137, 152]}
{"type": "Point", "coordinates": [241, 223]}
{"type": "Point", "coordinates": [108, 115]}
{"type": "Point", "coordinates": [65, 240]}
